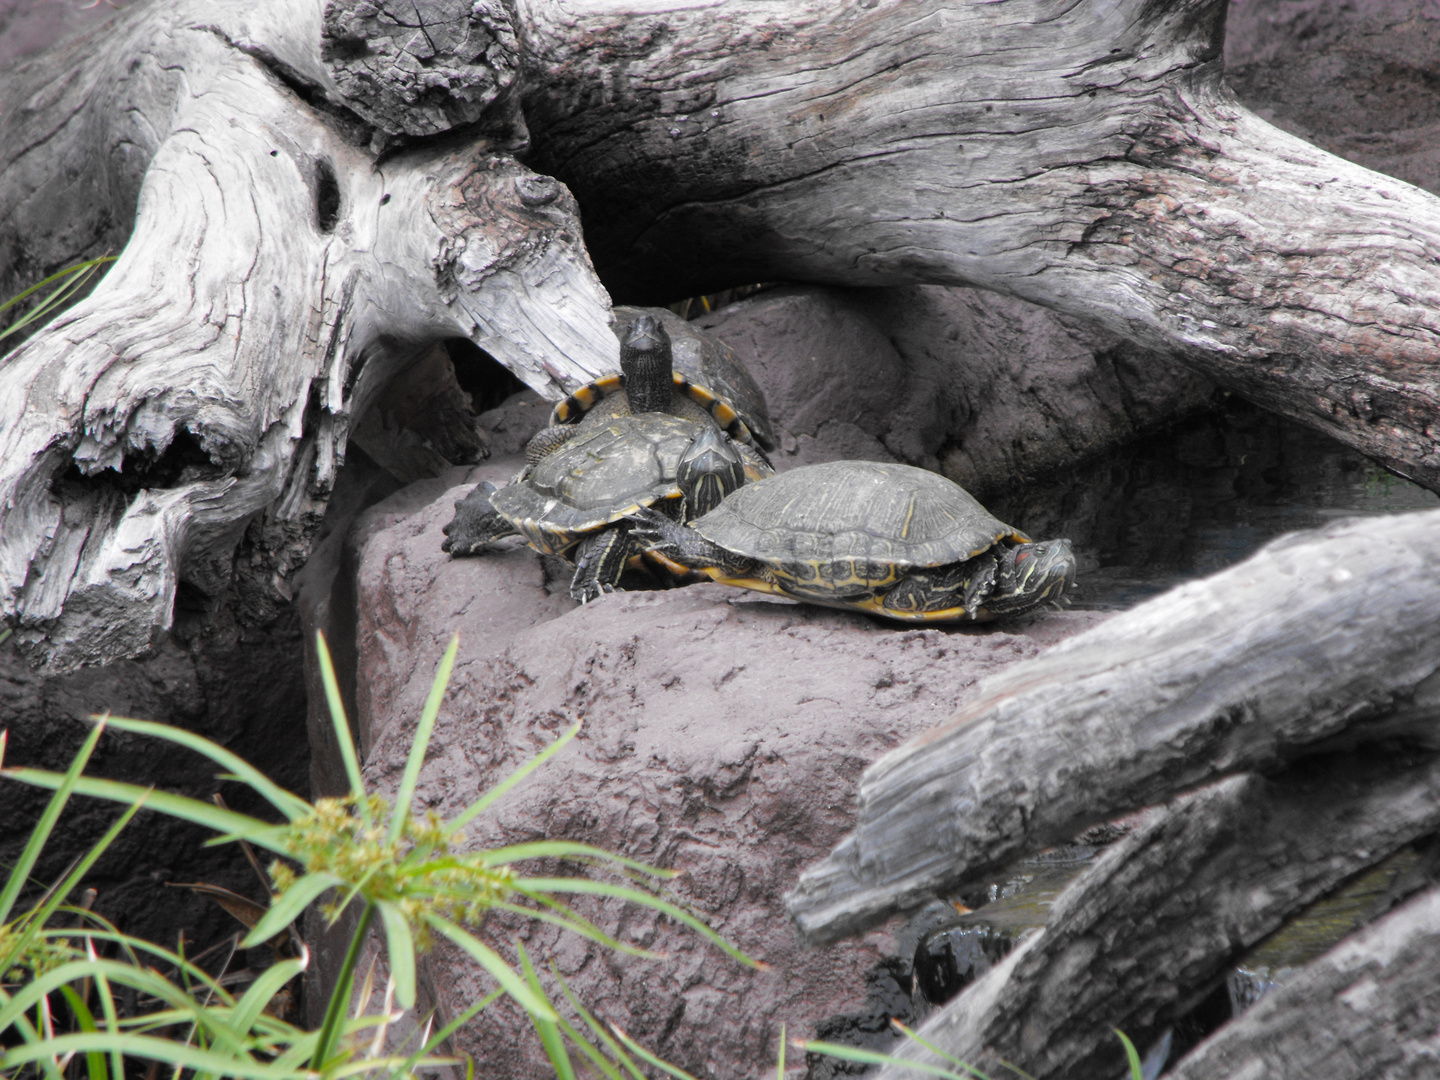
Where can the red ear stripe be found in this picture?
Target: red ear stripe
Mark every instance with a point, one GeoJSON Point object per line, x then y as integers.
{"type": "Point", "coordinates": [1022, 556]}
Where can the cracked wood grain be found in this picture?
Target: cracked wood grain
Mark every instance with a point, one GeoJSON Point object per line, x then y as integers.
{"type": "Point", "coordinates": [1137, 940]}
{"type": "Point", "coordinates": [1327, 635]}
{"type": "Point", "coordinates": [214, 372]}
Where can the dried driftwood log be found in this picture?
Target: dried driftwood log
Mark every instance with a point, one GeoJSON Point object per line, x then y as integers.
{"type": "Point", "coordinates": [1366, 1009]}
{"type": "Point", "coordinates": [1142, 936]}
{"type": "Point", "coordinates": [307, 193]}
{"type": "Point", "coordinates": [1320, 636]}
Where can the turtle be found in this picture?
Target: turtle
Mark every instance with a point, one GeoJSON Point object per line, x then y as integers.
{"type": "Point", "coordinates": [649, 382]}
{"type": "Point", "coordinates": [575, 500]}
{"type": "Point", "coordinates": [645, 387]}
{"type": "Point", "coordinates": [708, 362]}
{"type": "Point", "coordinates": [888, 539]}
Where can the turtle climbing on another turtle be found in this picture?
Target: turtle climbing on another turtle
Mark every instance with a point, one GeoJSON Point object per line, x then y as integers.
{"type": "Point", "coordinates": [888, 539]}
{"type": "Point", "coordinates": [575, 500]}
{"type": "Point", "coordinates": [645, 387]}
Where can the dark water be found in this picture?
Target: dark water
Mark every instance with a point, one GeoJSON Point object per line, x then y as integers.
{"type": "Point", "coordinates": [1200, 497]}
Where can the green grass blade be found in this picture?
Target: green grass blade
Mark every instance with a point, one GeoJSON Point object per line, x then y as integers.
{"type": "Point", "coordinates": [566, 849]}
{"type": "Point", "coordinates": [400, 946]}
{"type": "Point", "coordinates": [437, 1038]}
{"type": "Point", "coordinates": [74, 277]}
{"type": "Point", "coordinates": [578, 924]}
{"type": "Point", "coordinates": [499, 970]}
{"type": "Point", "coordinates": [20, 873]}
{"type": "Point", "coordinates": [341, 726]}
{"type": "Point", "coordinates": [168, 1051]}
{"type": "Point", "coordinates": [421, 743]}
{"type": "Point", "coordinates": [31, 1038]}
{"type": "Point", "coordinates": [548, 1030]}
{"type": "Point", "coordinates": [288, 906]}
{"type": "Point", "coordinates": [145, 980]}
{"type": "Point", "coordinates": [259, 833]}
{"type": "Point", "coordinates": [600, 1033]}
{"type": "Point", "coordinates": [480, 805]}
{"type": "Point", "coordinates": [624, 892]}
{"type": "Point", "coordinates": [94, 1062]}
{"type": "Point", "coordinates": [874, 1057]}
{"type": "Point", "coordinates": [339, 1001]}
{"type": "Point", "coordinates": [1137, 1070]}
{"type": "Point", "coordinates": [646, 1056]}
{"type": "Point", "coordinates": [36, 920]}
{"type": "Point", "coordinates": [69, 271]}
{"type": "Point", "coordinates": [916, 1038]}
{"type": "Point", "coordinates": [112, 1016]}
{"type": "Point", "coordinates": [271, 981]}
{"type": "Point", "coordinates": [780, 1065]}
{"type": "Point", "coordinates": [290, 805]}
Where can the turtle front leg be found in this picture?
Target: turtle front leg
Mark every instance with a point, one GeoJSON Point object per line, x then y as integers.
{"type": "Point", "coordinates": [475, 524]}
{"type": "Point", "coordinates": [653, 531]}
{"type": "Point", "coordinates": [957, 587]}
{"type": "Point", "coordinates": [599, 561]}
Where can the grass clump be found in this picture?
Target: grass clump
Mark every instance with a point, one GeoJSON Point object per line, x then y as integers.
{"type": "Point", "coordinates": [408, 871]}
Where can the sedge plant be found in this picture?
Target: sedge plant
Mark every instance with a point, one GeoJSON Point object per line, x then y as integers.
{"type": "Point", "coordinates": [406, 873]}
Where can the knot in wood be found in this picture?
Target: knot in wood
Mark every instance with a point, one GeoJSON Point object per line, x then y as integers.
{"type": "Point", "coordinates": [421, 67]}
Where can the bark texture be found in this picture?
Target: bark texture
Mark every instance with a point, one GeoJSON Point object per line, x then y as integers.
{"type": "Point", "coordinates": [1142, 936]}
{"type": "Point", "coordinates": [1323, 635]}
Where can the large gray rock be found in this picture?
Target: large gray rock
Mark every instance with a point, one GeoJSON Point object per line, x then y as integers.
{"type": "Point", "coordinates": [984, 388]}
{"type": "Point", "coordinates": [723, 734]}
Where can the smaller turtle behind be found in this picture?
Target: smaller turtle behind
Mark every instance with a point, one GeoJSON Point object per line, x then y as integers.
{"type": "Point", "coordinates": [888, 539]}
{"type": "Point", "coordinates": [575, 500]}
{"type": "Point", "coordinates": [649, 382]}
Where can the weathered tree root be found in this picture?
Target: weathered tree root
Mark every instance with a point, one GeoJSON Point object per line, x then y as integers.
{"type": "Point", "coordinates": [1138, 939]}
{"type": "Point", "coordinates": [1321, 636]}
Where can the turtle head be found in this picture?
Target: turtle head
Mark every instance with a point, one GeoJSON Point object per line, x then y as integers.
{"type": "Point", "coordinates": [1030, 575]}
{"type": "Point", "coordinates": [710, 469]}
{"type": "Point", "coordinates": [647, 364]}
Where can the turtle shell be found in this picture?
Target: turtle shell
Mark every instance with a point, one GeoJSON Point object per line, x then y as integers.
{"type": "Point", "coordinates": [872, 514]}
{"type": "Point", "coordinates": [607, 471]}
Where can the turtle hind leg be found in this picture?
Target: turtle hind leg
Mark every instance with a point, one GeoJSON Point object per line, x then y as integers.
{"type": "Point", "coordinates": [475, 524]}
{"type": "Point", "coordinates": [599, 561]}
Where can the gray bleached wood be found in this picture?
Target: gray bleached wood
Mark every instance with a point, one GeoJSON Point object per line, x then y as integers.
{"type": "Point", "coordinates": [1141, 937]}
{"type": "Point", "coordinates": [275, 276]}
{"type": "Point", "coordinates": [1084, 155]}
{"type": "Point", "coordinates": [1320, 636]}
{"type": "Point", "coordinates": [1369, 1008]}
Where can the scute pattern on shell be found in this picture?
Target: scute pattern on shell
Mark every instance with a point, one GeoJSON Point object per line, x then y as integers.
{"type": "Point", "coordinates": [871, 512]}
{"type": "Point", "coordinates": [598, 477]}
